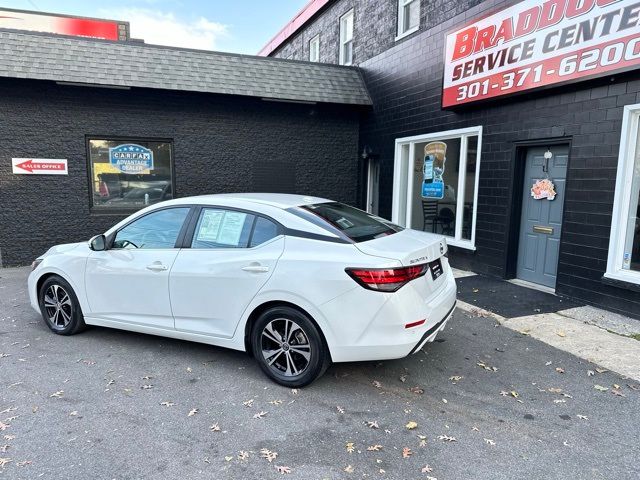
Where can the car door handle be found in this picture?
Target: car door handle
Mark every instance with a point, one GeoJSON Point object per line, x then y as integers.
{"type": "Point", "coordinates": [255, 268]}
{"type": "Point", "coordinates": [157, 267]}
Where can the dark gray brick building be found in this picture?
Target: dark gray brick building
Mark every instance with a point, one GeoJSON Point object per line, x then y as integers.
{"type": "Point", "coordinates": [585, 241]}
{"type": "Point", "coordinates": [215, 123]}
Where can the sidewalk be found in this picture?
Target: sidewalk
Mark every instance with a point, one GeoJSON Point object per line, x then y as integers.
{"type": "Point", "coordinates": [606, 339]}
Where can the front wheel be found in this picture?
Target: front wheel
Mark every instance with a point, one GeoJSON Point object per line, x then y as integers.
{"type": "Point", "coordinates": [288, 347]}
{"type": "Point", "coordinates": [60, 307]}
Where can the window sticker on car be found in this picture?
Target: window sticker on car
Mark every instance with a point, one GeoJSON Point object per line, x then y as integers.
{"type": "Point", "coordinates": [210, 225]}
{"type": "Point", "coordinates": [231, 228]}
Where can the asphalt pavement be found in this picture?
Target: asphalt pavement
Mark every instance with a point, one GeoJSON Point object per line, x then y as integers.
{"type": "Point", "coordinates": [487, 403]}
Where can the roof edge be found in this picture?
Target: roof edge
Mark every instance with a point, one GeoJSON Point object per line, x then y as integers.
{"type": "Point", "coordinates": [293, 26]}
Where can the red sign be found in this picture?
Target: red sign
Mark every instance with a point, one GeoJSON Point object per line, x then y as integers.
{"type": "Point", "coordinates": [39, 166]}
{"type": "Point", "coordinates": [51, 23]}
{"type": "Point", "coordinates": [535, 44]}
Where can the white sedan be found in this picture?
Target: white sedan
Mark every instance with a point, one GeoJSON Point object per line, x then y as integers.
{"type": "Point", "coordinates": [297, 281]}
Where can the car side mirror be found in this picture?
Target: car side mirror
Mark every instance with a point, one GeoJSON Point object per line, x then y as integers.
{"type": "Point", "coordinates": [98, 243]}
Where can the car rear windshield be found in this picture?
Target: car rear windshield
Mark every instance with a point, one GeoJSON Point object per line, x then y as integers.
{"type": "Point", "coordinates": [357, 225]}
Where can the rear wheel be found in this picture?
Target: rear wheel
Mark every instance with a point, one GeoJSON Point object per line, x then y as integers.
{"type": "Point", "coordinates": [289, 347]}
{"type": "Point", "coordinates": [60, 307]}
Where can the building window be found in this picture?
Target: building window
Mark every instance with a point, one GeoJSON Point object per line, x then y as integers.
{"type": "Point", "coordinates": [314, 49]}
{"type": "Point", "coordinates": [435, 184]}
{"type": "Point", "coordinates": [624, 244]}
{"type": "Point", "coordinates": [346, 38]}
{"type": "Point", "coordinates": [129, 174]}
{"type": "Point", "coordinates": [408, 17]}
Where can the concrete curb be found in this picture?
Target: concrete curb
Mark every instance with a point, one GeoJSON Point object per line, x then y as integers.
{"type": "Point", "coordinates": [609, 350]}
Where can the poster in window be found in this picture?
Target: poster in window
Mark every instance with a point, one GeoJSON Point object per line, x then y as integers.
{"type": "Point", "coordinates": [231, 228]}
{"type": "Point", "coordinates": [435, 157]}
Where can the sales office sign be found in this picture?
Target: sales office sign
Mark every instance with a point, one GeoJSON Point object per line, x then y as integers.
{"type": "Point", "coordinates": [535, 44]}
{"type": "Point", "coordinates": [39, 166]}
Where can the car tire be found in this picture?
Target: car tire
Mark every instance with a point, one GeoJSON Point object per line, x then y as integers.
{"type": "Point", "coordinates": [289, 347]}
{"type": "Point", "coordinates": [59, 306]}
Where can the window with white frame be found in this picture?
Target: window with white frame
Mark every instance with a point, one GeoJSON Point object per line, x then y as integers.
{"type": "Point", "coordinates": [624, 245]}
{"type": "Point", "coordinates": [314, 49]}
{"type": "Point", "coordinates": [435, 184]}
{"type": "Point", "coordinates": [408, 17]}
{"type": "Point", "coordinates": [346, 38]}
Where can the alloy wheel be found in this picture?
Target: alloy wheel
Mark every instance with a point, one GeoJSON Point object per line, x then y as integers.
{"type": "Point", "coordinates": [58, 306]}
{"type": "Point", "coordinates": [285, 347]}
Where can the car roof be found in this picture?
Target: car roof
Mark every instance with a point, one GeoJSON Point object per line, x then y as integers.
{"type": "Point", "coordinates": [279, 200]}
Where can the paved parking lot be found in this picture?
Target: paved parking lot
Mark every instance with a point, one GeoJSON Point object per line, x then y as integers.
{"type": "Point", "coordinates": [489, 403]}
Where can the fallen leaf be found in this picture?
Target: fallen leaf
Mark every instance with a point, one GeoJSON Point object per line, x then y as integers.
{"type": "Point", "coordinates": [57, 394]}
{"type": "Point", "coordinates": [146, 387]}
{"type": "Point", "coordinates": [167, 404]}
{"type": "Point", "coordinates": [504, 393]}
{"type": "Point", "coordinates": [260, 414]}
{"type": "Point", "coordinates": [423, 440]}
{"type": "Point", "coordinates": [601, 370]}
{"type": "Point", "coordinates": [475, 429]}
{"type": "Point", "coordinates": [192, 412]}
{"type": "Point", "coordinates": [426, 469]}
{"type": "Point", "coordinates": [350, 447]}
{"type": "Point", "coordinates": [9, 437]}
{"type": "Point", "coordinates": [215, 427]}
{"type": "Point", "coordinates": [561, 333]}
{"type": "Point", "coordinates": [340, 409]}
{"type": "Point", "coordinates": [374, 448]}
{"type": "Point", "coordinates": [416, 390]}
{"type": "Point", "coordinates": [456, 378]}
{"type": "Point", "coordinates": [4, 426]}
{"type": "Point", "coordinates": [4, 461]}
{"type": "Point", "coordinates": [348, 469]}
{"type": "Point", "coordinates": [447, 438]}
{"type": "Point", "coordinates": [617, 392]}
{"type": "Point", "coordinates": [475, 290]}
{"type": "Point", "coordinates": [444, 400]}
{"type": "Point", "coordinates": [590, 373]}
{"type": "Point", "coordinates": [268, 454]}
{"type": "Point", "coordinates": [4, 448]}
{"type": "Point", "coordinates": [228, 458]}
{"type": "Point", "coordinates": [282, 469]}
{"type": "Point", "coordinates": [295, 391]}
{"type": "Point", "coordinates": [600, 388]}
{"type": "Point", "coordinates": [248, 403]}
{"type": "Point", "coordinates": [514, 394]}
{"type": "Point", "coordinates": [403, 378]}
{"type": "Point", "coordinates": [189, 370]}
{"type": "Point", "coordinates": [406, 452]}
{"type": "Point", "coordinates": [411, 425]}
{"type": "Point", "coordinates": [559, 370]}
{"type": "Point", "coordinates": [275, 402]}
{"type": "Point", "coordinates": [559, 400]}
{"type": "Point", "coordinates": [372, 424]}
{"type": "Point", "coordinates": [24, 463]}
{"type": "Point", "coordinates": [74, 413]}
{"type": "Point", "coordinates": [582, 417]}
{"type": "Point", "coordinates": [488, 441]}
{"type": "Point", "coordinates": [554, 390]}
{"type": "Point", "coordinates": [548, 363]}
{"type": "Point", "coordinates": [376, 384]}
{"type": "Point", "coordinates": [146, 377]}
{"type": "Point", "coordinates": [242, 455]}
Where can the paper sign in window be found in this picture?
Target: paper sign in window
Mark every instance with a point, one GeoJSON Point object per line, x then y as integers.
{"type": "Point", "coordinates": [210, 225]}
{"type": "Point", "coordinates": [231, 228]}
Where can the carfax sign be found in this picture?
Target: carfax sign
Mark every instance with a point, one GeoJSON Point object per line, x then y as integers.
{"type": "Point", "coordinates": [537, 43]}
{"type": "Point", "coordinates": [131, 158]}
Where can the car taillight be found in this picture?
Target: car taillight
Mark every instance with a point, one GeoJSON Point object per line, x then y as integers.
{"type": "Point", "coordinates": [386, 279]}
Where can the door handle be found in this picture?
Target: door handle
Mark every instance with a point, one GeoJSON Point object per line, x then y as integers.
{"type": "Point", "coordinates": [157, 267]}
{"type": "Point", "coordinates": [255, 269]}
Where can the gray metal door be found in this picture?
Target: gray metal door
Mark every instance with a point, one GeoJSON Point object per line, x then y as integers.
{"type": "Point", "coordinates": [541, 220]}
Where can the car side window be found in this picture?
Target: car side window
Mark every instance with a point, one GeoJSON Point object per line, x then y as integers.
{"type": "Point", "coordinates": [221, 228]}
{"type": "Point", "coordinates": [263, 231]}
{"type": "Point", "coordinates": [155, 230]}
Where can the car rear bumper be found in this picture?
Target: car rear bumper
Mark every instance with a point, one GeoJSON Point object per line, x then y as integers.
{"type": "Point", "coordinates": [385, 336]}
